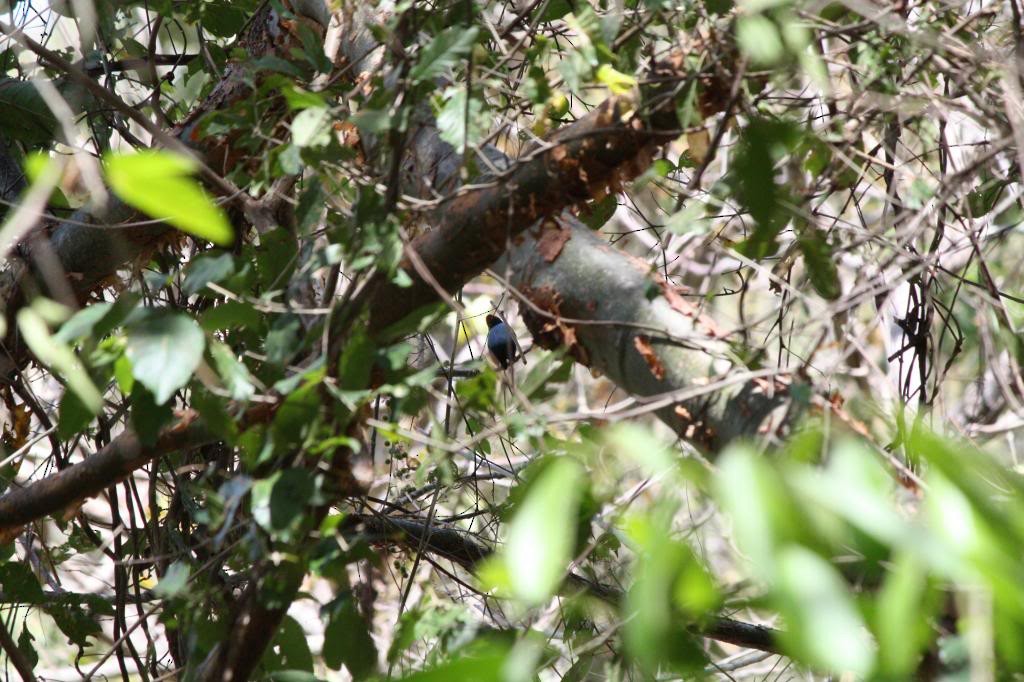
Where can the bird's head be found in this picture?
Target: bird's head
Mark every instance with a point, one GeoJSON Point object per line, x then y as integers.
{"type": "Point", "coordinates": [493, 321]}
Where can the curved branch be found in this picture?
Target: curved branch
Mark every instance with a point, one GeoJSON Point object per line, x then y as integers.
{"type": "Point", "coordinates": [458, 546]}
{"type": "Point", "coordinates": [617, 316]}
{"type": "Point", "coordinates": [68, 488]}
{"type": "Point", "coordinates": [611, 311]}
{"type": "Point", "coordinates": [592, 156]}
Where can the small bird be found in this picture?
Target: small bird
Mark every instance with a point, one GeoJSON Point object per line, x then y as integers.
{"type": "Point", "coordinates": [502, 342]}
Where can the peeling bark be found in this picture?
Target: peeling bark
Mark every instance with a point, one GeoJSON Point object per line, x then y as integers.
{"type": "Point", "coordinates": [582, 294]}
{"type": "Point", "coordinates": [637, 330]}
{"type": "Point", "coordinates": [592, 156]}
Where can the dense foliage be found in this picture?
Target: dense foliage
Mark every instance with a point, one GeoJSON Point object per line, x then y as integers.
{"type": "Point", "coordinates": [763, 257]}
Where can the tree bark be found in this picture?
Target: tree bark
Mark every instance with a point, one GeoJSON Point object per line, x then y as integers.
{"type": "Point", "coordinates": [616, 315]}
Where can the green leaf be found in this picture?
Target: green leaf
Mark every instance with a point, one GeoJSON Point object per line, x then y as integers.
{"type": "Point", "coordinates": [231, 315]}
{"type": "Point", "coordinates": [174, 580]}
{"type": "Point", "coordinates": [74, 416]}
{"type": "Point", "coordinates": [356, 362]}
{"type": "Point", "coordinates": [542, 533]}
{"type": "Point", "coordinates": [293, 676]}
{"type": "Point", "coordinates": [296, 416]}
{"type": "Point", "coordinates": [289, 651]}
{"type": "Point", "coordinates": [818, 154]}
{"type": "Point", "coordinates": [222, 18]}
{"type": "Point", "coordinates": [687, 111]}
{"type": "Point", "coordinates": [762, 142]}
{"type": "Point", "coordinates": [600, 212]}
{"type": "Point", "coordinates": [158, 184]}
{"type": "Point", "coordinates": [823, 627]}
{"type": "Point", "coordinates": [758, 36]}
{"type": "Point", "coordinates": [443, 52]}
{"type": "Point", "coordinates": [618, 83]}
{"type": "Point", "coordinates": [718, 7]}
{"type": "Point", "coordinates": [276, 258]}
{"type": "Point", "coordinates": [98, 319]}
{"type": "Point", "coordinates": [798, 38]}
{"type": "Point", "coordinates": [206, 269]}
{"type": "Point", "coordinates": [232, 371]}
{"type": "Point", "coordinates": [554, 10]}
{"type": "Point", "coordinates": [670, 590]}
{"type": "Point", "coordinates": [279, 502]}
{"type": "Point", "coordinates": [544, 375]}
{"type": "Point", "coordinates": [347, 642]}
{"type": "Point", "coordinates": [24, 115]}
{"type": "Point", "coordinates": [82, 322]}
{"type": "Point", "coordinates": [164, 348]}
{"type": "Point", "coordinates": [372, 121]}
{"type": "Point", "coordinates": [484, 665]}
{"type": "Point", "coordinates": [273, 63]}
{"type": "Point", "coordinates": [585, 668]}
{"type": "Point", "coordinates": [299, 98]}
{"type": "Point", "coordinates": [427, 623]}
{"type": "Point", "coordinates": [147, 416]}
{"type": "Point", "coordinates": [1002, 511]}
{"type": "Point", "coordinates": [311, 127]}
{"type": "Point", "coordinates": [458, 125]}
{"type": "Point", "coordinates": [760, 505]}
{"type": "Point", "coordinates": [902, 618]}
{"type": "Point", "coordinates": [289, 158]}
{"type": "Point", "coordinates": [18, 581]}
{"type": "Point", "coordinates": [638, 444]}
{"type": "Point", "coordinates": [576, 68]}
{"type": "Point", "coordinates": [535, 86]}
{"type": "Point", "coordinates": [1012, 216]}
{"type": "Point", "coordinates": [982, 200]}
{"type": "Point", "coordinates": [25, 640]}
{"type": "Point", "coordinates": [858, 489]}
{"type": "Point", "coordinates": [50, 351]}
{"type": "Point", "coordinates": [77, 623]}
{"type": "Point", "coordinates": [821, 268]}
{"type": "Point", "coordinates": [478, 393]}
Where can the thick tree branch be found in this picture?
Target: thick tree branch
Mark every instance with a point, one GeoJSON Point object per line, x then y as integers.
{"type": "Point", "coordinates": [610, 311]}
{"type": "Point", "coordinates": [588, 158]}
{"type": "Point", "coordinates": [68, 488]}
{"type": "Point", "coordinates": [614, 314]}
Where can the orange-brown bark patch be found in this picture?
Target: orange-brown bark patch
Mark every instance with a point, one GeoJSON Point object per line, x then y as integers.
{"type": "Point", "coordinates": [552, 239]}
{"type": "Point", "coordinates": [681, 305]}
{"type": "Point", "coordinates": [550, 330]}
{"type": "Point", "coordinates": [646, 350]}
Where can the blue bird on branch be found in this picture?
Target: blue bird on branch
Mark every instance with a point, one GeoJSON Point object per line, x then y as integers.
{"type": "Point", "coordinates": [502, 342]}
